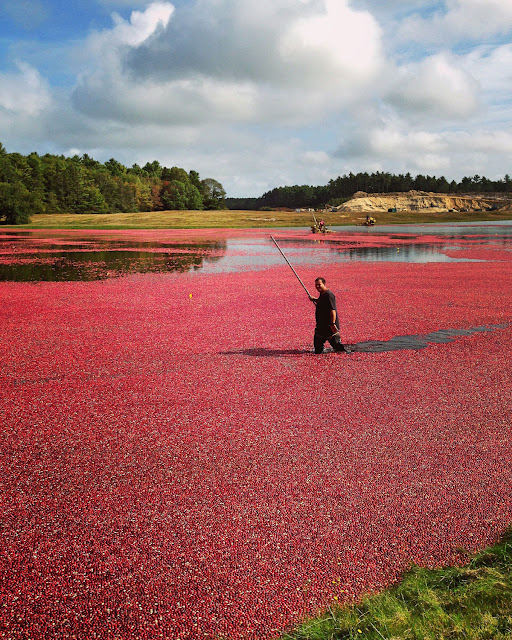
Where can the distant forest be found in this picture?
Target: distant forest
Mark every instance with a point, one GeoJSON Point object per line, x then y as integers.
{"type": "Point", "coordinates": [343, 188]}
{"type": "Point", "coordinates": [56, 184]}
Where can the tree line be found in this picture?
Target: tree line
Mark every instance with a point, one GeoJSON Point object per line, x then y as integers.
{"type": "Point", "coordinates": [57, 184]}
{"type": "Point", "coordinates": [343, 188]}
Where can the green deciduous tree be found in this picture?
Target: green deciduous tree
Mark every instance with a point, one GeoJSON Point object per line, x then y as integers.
{"type": "Point", "coordinates": [176, 195]}
{"type": "Point", "coordinates": [17, 204]}
{"type": "Point", "coordinates": [153, 169]}
{"type": "Point", "coordinates": [194, 179]}
{"type": "Point", "coordinates": [214, 196]}
{"type": "Point", "coordinates": [92, 200]}
{"type": "Point", "coordinates": [115, 168]}
{"type": "Point", "coordinates": [175, 173]}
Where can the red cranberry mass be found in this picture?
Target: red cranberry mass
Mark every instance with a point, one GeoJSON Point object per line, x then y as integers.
{"type": "Point", "coordinates": [179, 466]}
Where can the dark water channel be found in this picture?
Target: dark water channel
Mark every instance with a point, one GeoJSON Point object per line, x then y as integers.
{"type": "Point", "coordinates": [31, 256]}
{"type": "Point", "coordinates": [26, 258]}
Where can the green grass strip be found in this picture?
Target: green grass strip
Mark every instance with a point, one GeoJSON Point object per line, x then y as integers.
{"type": "Point", "coordinates": [244, 219]}
{"type": "Point", "coordinates": [473, 602]}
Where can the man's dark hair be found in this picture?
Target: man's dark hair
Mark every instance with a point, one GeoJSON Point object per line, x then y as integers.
{"type": "Point", "coordinates": [320, 279]}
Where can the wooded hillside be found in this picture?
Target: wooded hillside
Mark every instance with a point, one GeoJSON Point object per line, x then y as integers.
{"type": "Point", "coordinates": [57, 184]}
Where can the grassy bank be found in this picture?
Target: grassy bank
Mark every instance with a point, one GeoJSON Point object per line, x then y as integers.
{"type": "Point", "coordinates": [472, 602]}
{"type": "Point", "coordinates": [242, 219]}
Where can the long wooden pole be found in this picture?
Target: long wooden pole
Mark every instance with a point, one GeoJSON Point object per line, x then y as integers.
{"type": "Point", "coordinates": [288, 263]}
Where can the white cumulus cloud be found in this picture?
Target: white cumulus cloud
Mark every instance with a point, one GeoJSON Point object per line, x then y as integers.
{"type": "Point", "coordinates": [437, 86]}
{"type": "Point", "coordinates": [339, 45]}
{"type": "Point", "coordinates": [24, 93]}
{"type": "Point", "coordinates": [492, 68]}
{"type": "Point", "coordinates": [274, 92]}
{"type": "Point", "coordinates": [221, 60]}
{"type": "Point", "coordinates": [460, 20]}
{"type": "Point", "coordinates": [132, 33]}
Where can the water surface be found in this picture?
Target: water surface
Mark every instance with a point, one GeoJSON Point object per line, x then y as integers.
{"type": "Point", "coordinates": [90, 255]}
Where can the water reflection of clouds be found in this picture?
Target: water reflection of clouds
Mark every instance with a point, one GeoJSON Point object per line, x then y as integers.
{"type": "Point", "coordinates": [455, 229]}
{"type": "Point", "coordinates": [253, 254]}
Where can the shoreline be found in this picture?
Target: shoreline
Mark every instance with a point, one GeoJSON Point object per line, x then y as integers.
{"type": "Point", "coordinates": [228, 219]}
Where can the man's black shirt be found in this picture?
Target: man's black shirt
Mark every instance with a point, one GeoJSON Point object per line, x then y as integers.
{"type": "Point", "coordinates": [326, 302]}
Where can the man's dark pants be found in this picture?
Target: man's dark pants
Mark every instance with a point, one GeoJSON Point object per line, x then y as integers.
{"type": "Point", "coordinates": [333, 340]}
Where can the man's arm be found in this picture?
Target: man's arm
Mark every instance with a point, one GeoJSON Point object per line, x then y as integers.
{"type": "Point", "coordinates": [333, 326]}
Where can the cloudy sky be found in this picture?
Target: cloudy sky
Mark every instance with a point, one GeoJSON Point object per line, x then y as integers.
{"type": "Point", "coordinates": [262, 93]}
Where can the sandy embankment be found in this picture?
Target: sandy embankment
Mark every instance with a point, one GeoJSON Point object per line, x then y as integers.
{"type": "Point", "coordinates": [422, 201]}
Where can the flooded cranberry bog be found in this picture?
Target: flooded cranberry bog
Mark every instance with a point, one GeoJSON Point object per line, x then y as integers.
{"type": "Point", "coordinates": [177, 463]}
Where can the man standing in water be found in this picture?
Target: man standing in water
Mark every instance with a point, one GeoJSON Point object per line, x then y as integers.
{"type": "Point", "coordinates": [327, 321]}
